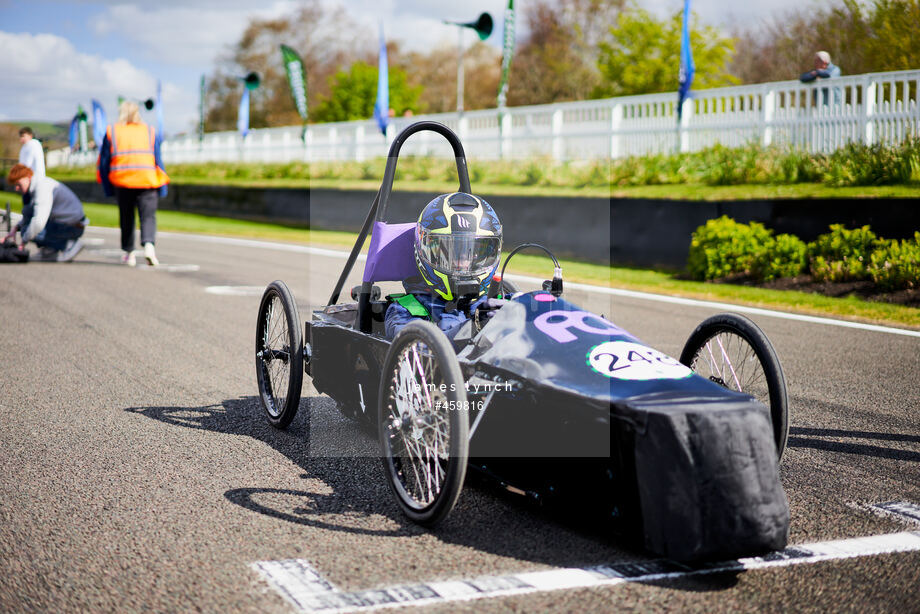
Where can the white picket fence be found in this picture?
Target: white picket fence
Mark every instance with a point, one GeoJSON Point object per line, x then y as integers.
{"type": "Point", "coordinates": [816, 117]}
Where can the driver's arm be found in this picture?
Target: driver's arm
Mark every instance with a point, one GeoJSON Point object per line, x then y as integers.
{"type": "Point", "coordinates": [396, 317]}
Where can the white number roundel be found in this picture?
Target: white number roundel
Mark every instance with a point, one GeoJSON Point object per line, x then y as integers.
{"type": "Point", "coordinates": [633, 361]}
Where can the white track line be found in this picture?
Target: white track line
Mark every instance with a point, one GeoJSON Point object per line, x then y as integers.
{"type": "Point", "coordinates": [304, 587]}
{"type": "Point", "coordinates": [647, 296]}
{"type": "Point", "coordinates": [235, 290]}
{"type": "Point", "coordinates": [677, 300]}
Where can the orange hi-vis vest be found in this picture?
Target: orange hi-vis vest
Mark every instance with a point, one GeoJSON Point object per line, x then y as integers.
{"type": "Point", "coordinates": [133, 162]}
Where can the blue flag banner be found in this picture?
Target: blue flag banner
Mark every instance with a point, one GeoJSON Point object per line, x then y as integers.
{"type": "Point", "coordinates": [99, 123]}
{"type": "Point", "coordinates": [159, 106]}
{"type": "Point", "coordinates": [382, 106]}
{"type": "Point", "coordinates": [74, 131]}
{"type": "Point", "coordinates": [242, 120]}
{"type": "Point", "coordinates": [686, 61]}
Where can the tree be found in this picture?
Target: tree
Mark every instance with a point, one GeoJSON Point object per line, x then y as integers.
{"type": "Point", "coordinates": [557, 59]}
{"type": "Point", "coordinates": [435, 73]}
{"type": "Point", "coordinates": [893, 42]}
{"type": "Point", "coordinates": [860, 38]}
{"type": "Point", "coordinates": [353, 93]}
{"type": "Point", "coordinates": [643, 55]}
{"type": "Point", "coordinates": [325, 39]}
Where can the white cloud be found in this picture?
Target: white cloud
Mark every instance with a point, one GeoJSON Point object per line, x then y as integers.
{"type": "Point", "coordinates": [189, 34]}
{"type": "Point", "coordinates": [721, 13]}
{"type": "Point", "coordinates": [419, 24]}
{"type": "Point", "coordinates": [45, 77]}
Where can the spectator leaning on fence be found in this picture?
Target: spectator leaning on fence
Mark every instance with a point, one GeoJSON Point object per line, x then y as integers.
{"type": "Point", "coordinates": [130, 166]}
{"type": "Point", "coordinates": [824, 69]}
{"type": "Point", "coordinates": [52, 215]}
{"type": "Point", "coordinates": [31, 153]}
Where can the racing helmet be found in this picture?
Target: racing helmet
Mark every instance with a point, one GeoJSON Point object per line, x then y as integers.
{"type": "Point", "coordinates": [458, 243]}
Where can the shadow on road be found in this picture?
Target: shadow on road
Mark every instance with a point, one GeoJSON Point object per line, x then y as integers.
{"type": "Point", "coordinates": [346, 490]}
{"type": "Point", "coordinates": [822, 439]}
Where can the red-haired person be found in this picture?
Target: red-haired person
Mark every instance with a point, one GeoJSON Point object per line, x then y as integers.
{"type": "Point", "coordinates": [130, 167]}
{"type": "Point", "coordinates": [52, 215]}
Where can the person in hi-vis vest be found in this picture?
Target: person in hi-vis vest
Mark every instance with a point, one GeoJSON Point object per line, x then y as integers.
{"type": "Point", "coordinates": [130, 166]}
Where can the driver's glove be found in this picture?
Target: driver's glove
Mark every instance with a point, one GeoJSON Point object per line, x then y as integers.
{"type": "Point", "coordinates": [487, 308]}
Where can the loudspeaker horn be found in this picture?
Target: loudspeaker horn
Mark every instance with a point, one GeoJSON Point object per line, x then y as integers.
{"type": "Point", "coordinates": [252, 80]}
{"type": "Point", "coordinates": [483, 26]}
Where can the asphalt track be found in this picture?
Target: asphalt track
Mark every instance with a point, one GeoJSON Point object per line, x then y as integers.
{"type": "Point", "coordinates": [138, 474]}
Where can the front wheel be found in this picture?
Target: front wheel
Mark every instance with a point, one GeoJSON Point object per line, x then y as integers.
{"type": "Point", "coordinates": [279, 354]}
{"type": "Point", "coordinates": [423, 423]}
{"type": "Point", "coordinates": [733, 352]}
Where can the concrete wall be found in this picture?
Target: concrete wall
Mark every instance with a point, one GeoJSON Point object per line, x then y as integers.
{"type": "Point", "coordinates": [636, 232]}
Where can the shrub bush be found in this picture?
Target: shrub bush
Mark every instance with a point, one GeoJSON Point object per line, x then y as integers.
{"type": "Point", "coordinates": [723, 247]}
{"type": "Point", "coordinates": [880, 164]}
{"type": "Point", "coordinates": [841, 254]}
{"type": "Point", "coordinates": [896, 265]}
{"type": "Point", "coordinates": [784, 256]}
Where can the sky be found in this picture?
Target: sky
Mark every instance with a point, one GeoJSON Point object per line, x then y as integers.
{"type": "Point", "coordinates": [55, 55]}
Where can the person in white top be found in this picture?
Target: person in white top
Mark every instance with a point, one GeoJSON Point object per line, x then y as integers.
{"type": "Point", "coordinates": [31, 153]}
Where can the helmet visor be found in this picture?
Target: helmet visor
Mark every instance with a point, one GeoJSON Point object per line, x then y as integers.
{"type": "Point", "coordinates": [460, 255]}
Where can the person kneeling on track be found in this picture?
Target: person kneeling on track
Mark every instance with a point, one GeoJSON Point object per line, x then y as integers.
{"type": "Point", "coordinates": [52, 215]}
{"type": "Point", "coordinates": [458, 242]}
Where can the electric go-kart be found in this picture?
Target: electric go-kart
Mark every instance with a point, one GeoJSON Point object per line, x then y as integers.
{"type": "Point", "coordinates": [548, 400]}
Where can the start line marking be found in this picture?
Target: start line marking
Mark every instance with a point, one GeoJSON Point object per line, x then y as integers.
{"type": "Point", "coordinates": [303, 586]}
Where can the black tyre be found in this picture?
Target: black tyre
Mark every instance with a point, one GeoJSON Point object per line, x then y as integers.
{"type": "Point", "coordinates": [423, 423]}
{"type": "Point", "coordinates": [279, 354]}
{"type": "Point", "coordinates": [732, 351]}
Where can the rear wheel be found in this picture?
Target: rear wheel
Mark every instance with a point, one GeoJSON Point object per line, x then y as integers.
{"type": "Point", "coordinates": [733, 352]}
{"type": "Point", "coordinates": [279, 354]}
{"type": "Point", "coordinates": [423, 423]}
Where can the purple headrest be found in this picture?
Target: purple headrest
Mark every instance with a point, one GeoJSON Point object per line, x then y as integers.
{"type": "Point", "coordinates": [391, 256]}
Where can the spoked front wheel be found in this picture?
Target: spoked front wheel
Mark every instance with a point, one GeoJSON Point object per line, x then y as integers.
{"type": "Point", "coordinates": [423, 422]}
{"type": "Point", "coordinates": [279, 354]}
{"type": "Point", "coordinates": [732, 351]}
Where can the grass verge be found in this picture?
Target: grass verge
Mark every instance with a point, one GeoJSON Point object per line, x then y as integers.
{"type": "Point", "coordinates": [852, 308]}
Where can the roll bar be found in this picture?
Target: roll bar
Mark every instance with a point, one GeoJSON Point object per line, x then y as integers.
{"type": "Point", "coordinates": [390, 172]}
{"type": "Point", "coordinates": [381, 201]}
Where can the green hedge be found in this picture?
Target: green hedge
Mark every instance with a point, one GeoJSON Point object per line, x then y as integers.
{"type": "Point", "coordinates": [895, 265]}
{"type": "Point", "coordinates": [841, 254]}
{"type": "Point", "coordinates": [723, 247]}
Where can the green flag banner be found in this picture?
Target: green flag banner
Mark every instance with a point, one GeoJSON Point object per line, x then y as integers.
{"type": "Point", "coordinates": [293, 65]}
{"type": "Point", "coordinates": [507, 52]}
